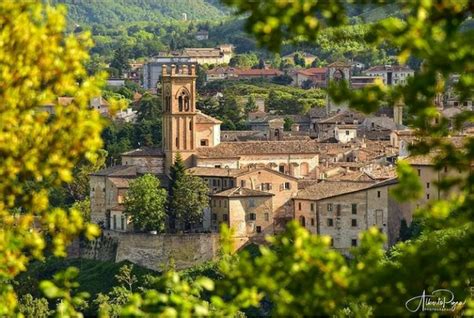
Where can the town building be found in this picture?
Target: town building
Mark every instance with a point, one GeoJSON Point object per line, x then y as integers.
{"type": "Point", "coordinates": [343, 209]}
{"type": "Point", "coordinates": [390, 74]}
{"type": "Point", "coordinates": [232, 73]}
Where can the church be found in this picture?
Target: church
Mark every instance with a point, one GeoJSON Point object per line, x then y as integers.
{"type": "Point", "coordinates": [247, 170]}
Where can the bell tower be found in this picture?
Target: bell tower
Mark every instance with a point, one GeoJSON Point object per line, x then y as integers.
{"type": "Point", "coordinates": [179, 114]}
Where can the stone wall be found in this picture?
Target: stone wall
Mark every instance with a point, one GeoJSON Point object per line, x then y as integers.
{"type": "Point", "coordinates": [150, 251]}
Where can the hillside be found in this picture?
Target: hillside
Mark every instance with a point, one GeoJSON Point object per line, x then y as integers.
{"type": "Point", "coordinates": [118, 12]}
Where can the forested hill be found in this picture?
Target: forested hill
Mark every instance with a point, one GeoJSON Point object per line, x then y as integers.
{"type": "Point", "coordinates": [116, 12]}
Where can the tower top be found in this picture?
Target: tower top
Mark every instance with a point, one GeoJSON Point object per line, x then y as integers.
{"type": "Point", "coordinates": [180, 70]}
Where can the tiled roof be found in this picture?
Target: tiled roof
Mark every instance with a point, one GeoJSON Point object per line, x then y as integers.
{"type": "Point", "coordinates": [236, 149]}
{"type": "Point", "coordinates": [346, 117]}
{"type": "Point", "coordinates": [297, 119]}
{"type": "Point", "coordinates": [312, 71]}
{"type": "Point", "coordinates": [145, 152]}
{"type": "Point", "coordinates": [117, 171]}
{"type": "Point", "coordinates": [317, 112]}
{"type": "Point", "coordinates": [242, 192]}
{"type": "Point", "coordinates": [258, 72]}
{"type": "Point", "coordinates": [202, 118]}
{"type": "Point", "coordinates": [421, 160]}
{"type": "Point", "coordinates": [384, 68]}
{"type": "Point", "coordinates": [213, 172]}
{"type": "Point", "coordinates": [121, 183]}
{"type": "Point", "coordinates": [329, 189]}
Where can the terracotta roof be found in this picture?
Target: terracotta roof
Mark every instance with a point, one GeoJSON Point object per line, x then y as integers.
{"type": "Point", "coordinates": [346, 126]}
{"type": "Point", "coordinates": [145, 152]}
{"type": "Point", "coordinates": [121, 183]}
{"type": "Point", "coordinates": [346, 117]}
{"type": "Point", "coordinates": [421, 160]}
{"type": "Point", "coordinates": [258, 72]}
{"type": "Point", "coordinates": [317, 112]}
{"type": "Point", "coordinates": [202, 118]}
{"type": "Point", "coordinates": [329, 189]}
{"type": "Point", "coordinates": [242, 192]}
{"type": "Point", "coordinates": [312, 71]}
{"type": "Point", "coordinates": [65, 100]}
{"type": "Point", "coordinates": [117, 171]}
{"type": "Point", "coordinates": [202, 52]}
{"type": "Point", "coordinates": [236, 149]}
{"type": "Point", "coordinates": [384, 68]}
{"type": "Point", "coordinates": [213, 172]}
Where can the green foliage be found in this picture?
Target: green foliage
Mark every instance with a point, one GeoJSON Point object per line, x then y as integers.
{"type": "Point", "coordinates": [61, 288]}
{"type": "Point", "coordinates": [250, 106]}
{"type": "Point", "coordinates": [149, 107]}
{"type": "Point", "coordinates": [247, 60]}
{"type": "Point", "coordinates": [145, 204]}
{"type": "Point", "coordinates": [410, 187]}
{"type": "Point", "coordinates": [288, 123]}
{"type": "Point", "coordinates": [34, 307]}
{"type": "Point", "coordinates": [190, 198]}
{"type": "Point", "coordinates": [84, 207]}
{"type": "Point", "coordinates": [39, 63]}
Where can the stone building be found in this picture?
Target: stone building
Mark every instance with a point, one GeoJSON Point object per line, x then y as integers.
{"type": "Point", "coordinates": [343, 209]}
{"type": "Point", "coordinates": [248, 212]}
{"type": "Point", "coordinates": [390, 74]}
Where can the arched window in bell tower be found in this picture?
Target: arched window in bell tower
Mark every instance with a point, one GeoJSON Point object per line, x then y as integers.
{"type": "Point", "coordinates": [183, 100]}
{"type": "Point", "coordinates": [186, 103]}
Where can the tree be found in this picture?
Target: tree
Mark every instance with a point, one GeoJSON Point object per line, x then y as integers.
{"type": "Point", "coordinates": [307, 84]}
{"type": "Point", "coordinates": [261, 63]}
{"type": "Point", "coordinates": [145, 204]}
{"type": "Point", "coordinates": [149, 107]}
{"type": "Point", "coordinates": [299, 59]}
{"type": "Point", "coordinates": [34, 307]}
{"type": "Point", "coordinates": [250, 106]}
{"type": "Point", "coordinates": [84, 207]}
{"type": "Point", "coordinates": [36, 147]}
{"type": "Point", "coordinates": [288, 123]}
{"type": "Point", "coordinates": [284, 79]}
{"type": "Point", "coordinates": [190, 198]}
{"type": "Point", "coordinates": [120, 60]}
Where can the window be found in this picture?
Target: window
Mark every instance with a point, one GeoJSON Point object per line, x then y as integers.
{"type": "Point", "coordinates": [267, 217]}
{"type": "Point", "coordinates": [428, 196]}
{"type": "Point", "coordinates": [281, 169]}
{"type": "Point", "coordinates": [214, 216]}
{"type": "Point", "coordinates": [190, 125]}
{"type": "Point", "coordinates": [445, 169]}
{"type": "Point", "coordinates": [286, 186]}
{"type": "Point", "coordinates": [224, 183]}
{"type": "Point", "coordinates": [378, 194]}
{"type": "Point", "coordinates": [312, 206]}
{"type": "Point", "coordinates": [332, 242]}
{"type": "Point", "coordinates": [177, 142]}
{"type": "Point", "coordinates": [329, 206]}
{"type": "Point", "coordinates": [252, 216]}
{"type": "Point", "coordinates": [354, 242]}
{"type": "Point", "coordinates": [266, 186]}
{"type": "Point", "coordinates": [427, 185]}
{"type": "Point", "coordinates": [338, 211]}
{"type": "Point", "coordinates": [347, 132]}
{"type": "Point", "coordinates": [354, 222]}
{"type": "Point", "coordinates": [217, 166]}
{"type": "Point", "coordinates": [214, 182]}
{"type": "Point", "coordinates": [103, 189]}
{"type": "Point", "coordinates": [225, 217]}
{"type": "Point", "coordinates": [302, 221]}
{"type": "Point", "coordinates": [231, 183]}
{"type": "Point", "coordinates": [122, 222]}
{"type": "Point", "coordinates": [114, 222]}
{"type": "Point", "coordinates": [204, 142]}
{"type": "Point", "coordinates": [251, 203]}
{"type": "Point", "coordinates": [259, 229]}
{"type": "Point", "coordinates": [242, 183]}
{"type": "Point", "coordinates": [299, 206]}
{"type": "Point", "coordinates": [419, 172]}
{"type": "Point", "coordinates": [312, 221]}
{"type": "Point", "coordinates": [354, 208]}
{"type": "Point", "coordinates": [330, 222]}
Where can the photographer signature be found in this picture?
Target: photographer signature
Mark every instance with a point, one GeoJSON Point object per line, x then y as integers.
{"type": "Point", "coordinates": [439, 300]}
